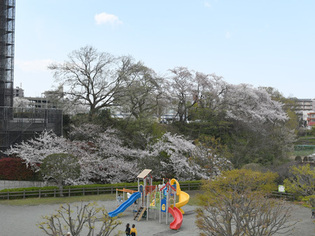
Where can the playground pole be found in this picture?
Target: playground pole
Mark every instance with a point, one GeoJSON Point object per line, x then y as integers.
{"type": "Point", "coordinates": [175, 195]}
{"type": "Point", "coordinates": [147, 203]}
{"type": "Point", "coordinates": [116, 194]}
{"type": "Point", "coordinates": [167, 203]}
{"type": "Point", "coordinates": [160, 212]}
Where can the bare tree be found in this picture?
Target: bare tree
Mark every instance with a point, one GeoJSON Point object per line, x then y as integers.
{"type": "Point", "coordinates": [76, 218]}
{"type": "Point", "coordinates": [141, 92]}
{"type": "Point", "coordinates": [90, 78]}
{"type": "Point", "coordinates": [248, 213]}
{"type": "Point", "coordinates": [237, 203]}
{"type": "Point", "coordinates": [189, 88]}
{"type": "Point", "coordinates": [180, 88]}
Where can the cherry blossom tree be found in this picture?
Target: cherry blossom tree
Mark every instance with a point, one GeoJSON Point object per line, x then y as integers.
{"type": "Point", "coordinates": [33, 151]}
{"type": "Point", "coordinates": [241, 102]}
{"type": "Point", "coordinates": [101, 159]}
{"type": "Point", "coordinates": [109, 159]}
{"type": "Point", "coordinates": [250, 105]}
{"type": "Point", "coordinates": [174, 156]}
{"type": "Point", "coordinates": [19, 102]}
{"type": "Point", "coordinates": [251, 120]}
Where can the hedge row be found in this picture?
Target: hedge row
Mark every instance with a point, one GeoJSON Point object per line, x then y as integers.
{"type": "Point", "coordinates": [14, 169]}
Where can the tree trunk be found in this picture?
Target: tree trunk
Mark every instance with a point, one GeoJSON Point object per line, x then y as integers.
{"type": "Point", "coordinates": [60, 189]}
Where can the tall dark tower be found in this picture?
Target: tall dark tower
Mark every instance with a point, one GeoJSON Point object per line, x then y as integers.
{"type": "Point", "coordinates": [7, 23]}
{"type": "Point", "coordinates": [18, 124]}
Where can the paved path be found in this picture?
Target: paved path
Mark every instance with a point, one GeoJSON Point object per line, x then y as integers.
{"type": "Point", "coordinates": [21, 221]}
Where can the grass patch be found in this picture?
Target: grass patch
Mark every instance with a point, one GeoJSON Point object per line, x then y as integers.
{"type": "Point", "coordinates": [303, 153]}
{"type": "Point", "coordinates": [57, 200]}
{"type": "Point", "coordinates": [193, 200]}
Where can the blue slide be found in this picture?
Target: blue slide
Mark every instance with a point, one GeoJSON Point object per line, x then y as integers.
{"type": "Point", "coordinates": [125, 205]}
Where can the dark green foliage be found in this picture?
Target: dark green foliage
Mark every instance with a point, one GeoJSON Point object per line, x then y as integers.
{"type": "Point", "coordinates": [59, 167]}
{"type": "Point", "coordinates": [195, 129]}
{"type": "Point", "coordinates": [155, 165]}
{"type": "Point", "coordinates": [298, 159]}
{"type": "Point", "coordinates": [266, 145]}
{"type": "Point", "coordinates": [66, 124]}
{"type": "Point", "coordinates": [29, 189]}
{"type": "Point", "coordinates": [137, 133]}
{"type": "Point", "coordinates": [80, 118]}
{"type": "Point", "coordinates": [104, 118]}
{"type": "Point", "coordinates": [255, 167]}
{"type": "Point", "coordinates": [283, 170]}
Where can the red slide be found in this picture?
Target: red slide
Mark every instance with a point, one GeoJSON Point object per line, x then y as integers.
{"type": "Point", "coordinates": [178, 218]}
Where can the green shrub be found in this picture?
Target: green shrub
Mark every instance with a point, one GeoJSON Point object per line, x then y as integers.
{"type": "Point", "coordinates": [302, 181]}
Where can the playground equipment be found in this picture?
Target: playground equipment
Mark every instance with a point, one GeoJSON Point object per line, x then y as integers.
{"type": "Point", "coordinates": [125, 205]}
{"type": "Point", "coordinates": [155, 199]}
{"type": "Point", "coordinates": [178, 218]}
{"type": "Point", "coordinates": [183, 196]}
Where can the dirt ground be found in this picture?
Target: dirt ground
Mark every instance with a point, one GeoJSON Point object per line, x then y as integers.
{"type": "Point", "coordinates": [21, 221]}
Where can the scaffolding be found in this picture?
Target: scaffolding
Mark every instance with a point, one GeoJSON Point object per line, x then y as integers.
{"type": "Point", "coordinates": [7, 24]}
{"type": "Point", "coordinates": [18, 124]}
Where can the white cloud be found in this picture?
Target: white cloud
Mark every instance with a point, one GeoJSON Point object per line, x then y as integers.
{"type": "Point", "coordinates": [207, 4]}
{"type": "Point", "coordinates": [227, 35]}
{"type": "Point", "coordinates": [104, 18]}
{"type": "Point", "coordinates": [33, 66]}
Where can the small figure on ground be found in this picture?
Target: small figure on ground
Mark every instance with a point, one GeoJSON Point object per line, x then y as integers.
{"type": "Point", "coordinates": [119, 199]}
{"type": "Point", "coordinates": [313, 213]}
{"type": "Point", "coordinates": [127, 230]}
{"type": "Point", "coordinates": [133, 231]}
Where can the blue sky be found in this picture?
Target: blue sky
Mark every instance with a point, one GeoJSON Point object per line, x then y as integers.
{"type": "Point", "coordinates": [259, 42]}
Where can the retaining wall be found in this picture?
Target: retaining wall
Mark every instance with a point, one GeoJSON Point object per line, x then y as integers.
{"type": "Point", "coordinates": [20, 184]}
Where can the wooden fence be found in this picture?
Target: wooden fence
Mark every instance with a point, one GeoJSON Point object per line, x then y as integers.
{"type": "Point", "coordinates": [281, 195]}
{"type": "Point", "coordinates": [68, 192]}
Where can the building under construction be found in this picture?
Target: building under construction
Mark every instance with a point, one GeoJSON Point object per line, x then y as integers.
{"type": "Point", "coordinates": [17, 124]}
{"type": "Point", "coordinates": [7, 23]}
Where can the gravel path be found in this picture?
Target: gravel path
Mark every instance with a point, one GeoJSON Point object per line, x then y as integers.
{"type": "Point", "coordinates": [21, 221]}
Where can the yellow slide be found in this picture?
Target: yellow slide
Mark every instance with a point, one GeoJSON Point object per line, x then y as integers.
{"type": "Point", "coordinates": [183, 196]}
